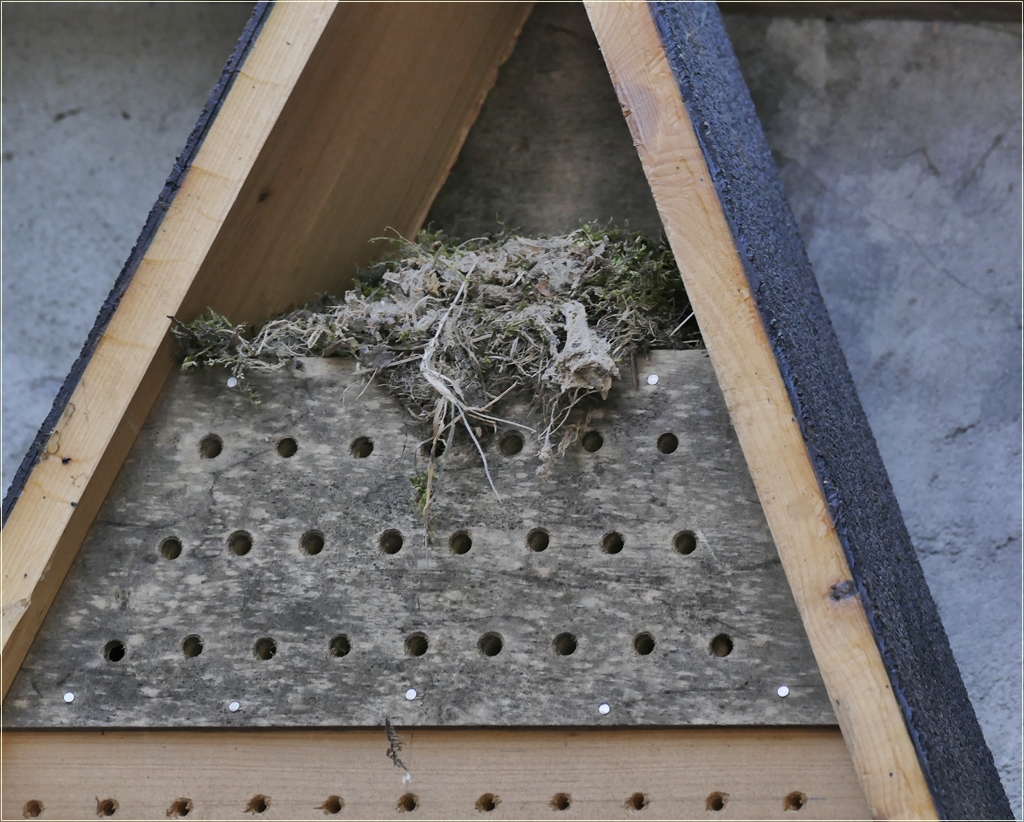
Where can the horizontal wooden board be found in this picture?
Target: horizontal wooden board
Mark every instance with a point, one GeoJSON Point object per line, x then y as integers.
{"type": "Point", "coordinates": [453, 774]}
{"type": "Point", "coordinates": [160, 621]}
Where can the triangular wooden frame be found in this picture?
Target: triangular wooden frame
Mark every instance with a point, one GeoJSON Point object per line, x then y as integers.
{"type": "Point", "coordinates": [352, 115]}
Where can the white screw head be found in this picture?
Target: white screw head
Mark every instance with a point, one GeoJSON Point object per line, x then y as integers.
{"type": "Point", "coordinates": [783, 691]}
{"type": "Point", "coordinates": [234, 706]}
{"type": "Point", "coordinates": [604, 709]}
{"type": "Point", "coordinates": [69, 697]}
{"type": "Point", "coordinates": [652, 379]}
{"type": "Point", "coordinates": [410, 694]}
{"type": "Point", "coordinates": [232, 382]}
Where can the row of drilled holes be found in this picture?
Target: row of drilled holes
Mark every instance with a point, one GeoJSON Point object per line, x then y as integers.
{"type": "Point", "coordinates": [417, 643]}
{"type": "Point", "coordinates": [510, 444]}
{"type": "Point", "coordinates": [409, 802]}
{"type": "Point", "coordinates": [392, 540]}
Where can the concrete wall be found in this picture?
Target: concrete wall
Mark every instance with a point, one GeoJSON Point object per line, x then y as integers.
{"type": "Point", "coordinates": [899, 143]}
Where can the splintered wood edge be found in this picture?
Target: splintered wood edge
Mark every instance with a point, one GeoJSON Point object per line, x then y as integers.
{"type": "Point", "coordinates": [760, 773]}
{"type": "Point", "coordinates": [113, 398]}
{"type": "Point", "coordinates": [812, 556]}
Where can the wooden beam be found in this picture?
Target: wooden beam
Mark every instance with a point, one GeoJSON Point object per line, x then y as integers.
{"type": "Point", "coordinates": [342, 123]}
{"type": "Point", "coordinates": [761, 411]}
{"type": "Point", "coordinates": [691, 773]}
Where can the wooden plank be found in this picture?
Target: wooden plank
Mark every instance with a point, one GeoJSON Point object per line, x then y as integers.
{"type": "Point", "coordinates": [762, 413]}
{"type": "Point", "coordinates": [455, 774]}
{"type": "Point", "coordinates": [728, 595]}
{"type": "Point", "coordinates": [305, 163]}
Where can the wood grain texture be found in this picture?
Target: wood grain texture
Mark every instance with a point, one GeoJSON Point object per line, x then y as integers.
{"type": "Point", "coordinates": [123, 587]}
{"type": "Point", "coordinates": [306, 162]}
{"type": "Point", "coordinates": [812, 556]}
{"type": "Point", "coordinates": [676, 774]}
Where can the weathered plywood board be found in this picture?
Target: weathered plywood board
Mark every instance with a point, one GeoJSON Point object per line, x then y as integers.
{"type": "Point", "coordinates": [755, 773]}
{"type": "Point", "coordinates": [161, 623]}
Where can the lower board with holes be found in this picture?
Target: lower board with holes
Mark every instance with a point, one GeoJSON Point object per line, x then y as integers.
{"type": "Point", "coordinates": [269, 566]}
{"type": "Point", "coordinates": [695, 773]}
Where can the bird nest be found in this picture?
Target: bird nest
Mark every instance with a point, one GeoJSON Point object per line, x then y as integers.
{"type": "Point", "coordinates": [451, 329]}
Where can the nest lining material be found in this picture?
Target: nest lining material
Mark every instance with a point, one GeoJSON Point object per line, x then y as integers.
{"type": "Point", "coordinates": [452, 329]}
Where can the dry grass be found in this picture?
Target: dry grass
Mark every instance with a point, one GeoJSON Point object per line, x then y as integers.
{"type": "Point", "coordinates": [451, 329]}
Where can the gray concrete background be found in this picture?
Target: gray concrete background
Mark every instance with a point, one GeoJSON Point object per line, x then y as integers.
{"type": "Point", "coordinates": [899, 143]}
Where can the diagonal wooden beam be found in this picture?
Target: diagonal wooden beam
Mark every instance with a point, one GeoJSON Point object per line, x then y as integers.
{"type": "Point", "coordinates": [768, 425]}
{"type": "Point", "coordinates": [872, 623]}
{"type": "Point", "coordinates": [337, 122]}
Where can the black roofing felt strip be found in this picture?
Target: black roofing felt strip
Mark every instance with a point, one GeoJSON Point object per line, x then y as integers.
{"type": "Point", "coordinates": [956, 761]}
{"type": "Point", "coordinates": [153, 221]}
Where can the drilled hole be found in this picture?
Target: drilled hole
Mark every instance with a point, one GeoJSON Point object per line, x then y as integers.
{"type": "Point", "coordinates": [312, 542]}
{"type": "Point", "coordinates": [240, 543]}
{"type": "Point", "coordinates": [643, 643]}
{"type": "Point", "coordinates": [265, 648]}
{"type": "Point", "coordinates": [114, 651]}
{"type": "Point", "coordinates": [106, 807]}
{"type": "Point", "coordinates": [592, 441]}
{"type": "Point", "coordinates": [408, 802]}
{"type": "Point", "coordinates": [511, 443]}
{"type": "Point", "coordinates": [391, 541]}
{"type": "Point", "coordinates": [460, 543]}
{"type": "Point", "coordinates": [32, 809]}
{"type": "Point", "coordinates": [564, 644]}
{"type": "Point", "coordinates": [537, 540]}
{"type": "Point", "coordinates": [361, 447]}
{"type": "Point", "coordinates": [795, 801]}
{"type": "Point", "coordinates": [416, 644]}
{"type": "Point", "coordinates": [637, 802]}
{"type": "Point", "coordinates": [340, 645]}
{"type": "Point", "coordinates": [612, 542]}
{"type": "Point", "coordinates": [487, 803]}
{"type": "Point", "coordinates": [170, 548]}
{"type": "Point", "coordinates": [685, 542]}
{"type": "Point", "coordinates": [561, 801]}
{"type": "Point", "coordinates": [490, 644]}
{"type": "Point", "coordinates": [716, 801]}
{"type": "Point", "coordinates": [434, 449]}
{"type": "Point", "coordinates": [210, 446]}
{"type": "Point", "coordinates": [180, 807]}
{"type": "Point", "coordinates": [333, 805]}
{"type": "Point", "coordinates": [668, 443]}
{"type": "Point", "coordinates": [721, 645]}
{"type": "Point", "coordinates": [287, 447]}
{"type": "Point", "coordinates": [258, 804]}
{"type": "Point", "coordinates": [192, 645]}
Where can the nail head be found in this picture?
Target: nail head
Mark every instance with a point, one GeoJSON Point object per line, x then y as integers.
{"type": "Point", "coordinates": [233, 706]}
{"type": "Point", "coordinates": [783, 691]}
{"type": "Point", "coordinates": [69, 697]}
{"type": "Point", "coordinates": [652, 379]}
{"type": "Point", "coordinates": [232, 382]}
{"type": "Point", "coordinates": [604, 709]}
{"type": "Point", "coordinates": [410, 694]}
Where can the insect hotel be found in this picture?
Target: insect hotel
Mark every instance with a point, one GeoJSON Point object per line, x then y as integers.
{"type": "Point", "coordinates": [506, 528]}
